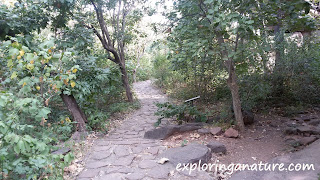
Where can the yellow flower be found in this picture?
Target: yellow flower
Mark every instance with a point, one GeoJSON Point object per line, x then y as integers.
{"type": "Point", "coordinates": [49, 51]}
{"type": "Point", "coordinates": [21, 52]}
{"type": "Point", "coordinates": [32, 61]}
{"type": "Point", "coordinates": [38, 88]}
{"type": "Point", "coordinates": [67, 119]}
{"type": "Point", "coordinates": [73, 84]}
{"type": "Point", "coordinates": [74, 70]}
{"type": "Point", "coordinates": [18, 57]}
{"type": "Point", "coordinates": [24, 84]}
{"type": "Point", "coordinates": [65, 81]}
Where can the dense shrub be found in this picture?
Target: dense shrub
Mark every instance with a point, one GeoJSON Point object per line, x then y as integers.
{"type": "Point", "coordinates": [181, 113]}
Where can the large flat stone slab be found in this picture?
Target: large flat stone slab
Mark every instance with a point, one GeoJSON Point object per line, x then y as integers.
{"type": "Point", "coordinates": [309, 155]}
{"type": "Point", "coordinates": [192, 153]}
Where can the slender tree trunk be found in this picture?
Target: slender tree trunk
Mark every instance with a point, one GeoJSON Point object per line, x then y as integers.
{"type": "Point", "coordinates": [278, 79]}
{"type": "Point", "coordinates": [75, 111]}
{"type": "Point", "coordinates": [232, 84]}
{"type": "Point", "coordinates": [234, 88]}
{"type": "Point", "coordinates": [134, 75]}
{"type": "Point", "coordinates": [279, 38]}
{"type": "Point", "coordinates": [108, 42]}
{"type": "Point", "coordinates": [125, 82]}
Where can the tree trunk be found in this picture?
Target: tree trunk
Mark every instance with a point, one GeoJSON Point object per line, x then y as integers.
{"type": "Point", "coordinates": [234, 88]}
{"type": "Point", "coordinates": [278, 78]}
{"type": "Point", "coordinates": [134, 75]}
{"type": "Point", "coordinates": [76, 112]}
{"type": "Point", "coordinates": [125, 82]}
{"type": "Point", "coordinates": [232, 84]}
{"type": "Point", "coordinates": [279, 38]}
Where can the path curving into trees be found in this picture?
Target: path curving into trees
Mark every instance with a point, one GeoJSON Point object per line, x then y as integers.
{"type": "Point", "coordinates": [124, 153]}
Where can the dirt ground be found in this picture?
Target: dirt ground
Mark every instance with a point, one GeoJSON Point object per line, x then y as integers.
{"type": "Point", "coordinates": [262, 141]}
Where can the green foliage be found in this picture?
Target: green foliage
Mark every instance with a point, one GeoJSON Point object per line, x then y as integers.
{"type": "Point", "coordinates": [123, 107]}
{"type": "Point", "coordinates": [34, 75]}
{"type": "Point", "coordinates": [11, 23]}
{"type": "Point", "coordinates": [181, 113]}
{"type": "Point", "coordinates": [206, 34]}
{"type": "Point", "coordinates": [97, 120]}
{"type": "Point", "coordinates": [25, 150]}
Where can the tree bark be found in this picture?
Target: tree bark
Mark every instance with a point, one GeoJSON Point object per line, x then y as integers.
{"type": "Point", "coordinates": [232, 84]}
{"type": "Point", "coordinates": [125, 82]}
{"type": "Point", "coordinates": [234, 88]}
{"type": "Point", "coordinates": [76, 112]}
{"type": "Point", "coordinates": [279, 38]}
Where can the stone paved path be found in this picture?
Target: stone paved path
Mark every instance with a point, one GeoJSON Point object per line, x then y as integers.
{"type": "Point", "coordinates": [125, 154]}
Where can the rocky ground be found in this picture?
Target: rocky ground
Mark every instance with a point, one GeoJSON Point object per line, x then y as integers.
{"type": "Point", "coordinates": [137, 150]}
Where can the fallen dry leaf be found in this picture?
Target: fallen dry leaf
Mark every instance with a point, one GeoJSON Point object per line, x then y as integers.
{"type": "Point", "coordinates": [163, 160]}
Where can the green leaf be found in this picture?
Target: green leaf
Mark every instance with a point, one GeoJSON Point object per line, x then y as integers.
{"type": "Point", "coordinates": [21, 146]}
{"type": "Point", "coordinates": [29, 56]}
{"type": "Point", "coordinates": [43, 113]}
{"type": "Point", "coordinates": [13, 52]}
{"type": "Point", "coordinates": [250, 22]}
{"type": "Point", "coordinates": [10, 63]}
{"type": "Point", "coordinates": [14, 75]}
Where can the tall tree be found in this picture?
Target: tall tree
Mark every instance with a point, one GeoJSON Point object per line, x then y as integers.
{"type": "Point", "coordinates": [114, 21]}
{"type": "Point", "coordinates": [217, 29]}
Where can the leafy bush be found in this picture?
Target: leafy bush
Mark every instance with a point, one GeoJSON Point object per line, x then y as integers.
{"type": "Point", "coordinates": [97, 120]}
{"type": "Point", "coordinates": [123, 106]}
{"type": "Point", "coordinates": [25, 150]}
{"type": "Point", "coordinates": [33, 76]}
{"type": "Point", "coordinates": [181, 113]}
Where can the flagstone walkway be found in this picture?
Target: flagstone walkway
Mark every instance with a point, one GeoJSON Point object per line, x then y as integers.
{"type": "Point", "coordinates": [125, 154]}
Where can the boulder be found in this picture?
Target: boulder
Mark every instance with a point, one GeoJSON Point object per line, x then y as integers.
{"type": "Point", "coordinates": [216, 131]}
{"type": "Point", "coordinates": [307, 140]}
{"type": "Point", "coordinates": [203, 131]}
{"type": "Point", "coordinates": [314, 122]}
{"type": "Point", "coordinates": [217, 147]}
{"type": "Point", "coordinates": [308, 130]}
{"type": "Point", "coordinates": [166, 131]}
{"type": "Point", "coordinates": [290, 130]}
{"type": "Point", "coordinates": [231, 133]}
{"type": "Point", "coordinates": [192, 153]}
{"type": "Point", "coordinates": [248, 117]}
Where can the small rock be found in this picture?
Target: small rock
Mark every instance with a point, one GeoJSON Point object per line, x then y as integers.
{"type": "Point", "coordinates": [304, 129]}
{"type": "Point", "coordinates": [231, 133]}
{"type": "Point", "coordinates": [307, 140]}
{"type": "Point", "coordinates": [217, 147]}
{"type": "Point", "coordinates": [290, 130]}
{"type": "Point", "coordinates": [314, 122]}
{"type": "Point", "coordinates": [203, 131]}
{"type": "Point", "coordinates": [216, 131]}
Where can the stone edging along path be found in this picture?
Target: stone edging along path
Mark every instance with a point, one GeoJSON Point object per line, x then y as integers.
{"type": "Point", "coordinates": [125, 154]}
